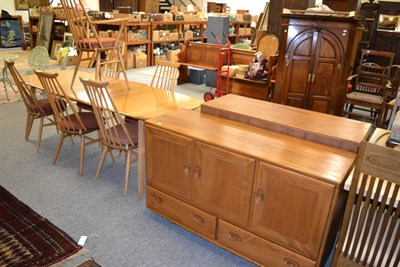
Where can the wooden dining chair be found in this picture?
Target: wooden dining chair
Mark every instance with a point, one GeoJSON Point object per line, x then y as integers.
{"type": "Point", "coordinates": [369, 92]}
{"type": "Point", "coordinates": [116, 134]}
{"type": "Point", "coordinates": [166, 75]}
{"type": "Point", "coordinates": [88, 41]}
{"type": "Point", "coordinates": [370, 230]}
{"type": "Point", "coordinates": [69, 121]}
{"type": "Point", "coordinates": [35, 108]}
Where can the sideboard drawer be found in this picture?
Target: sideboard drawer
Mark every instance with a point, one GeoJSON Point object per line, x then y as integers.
{"type": "Point", "coordinates": [261, 250]}
{"type": "Point", "coordinates": [181, 213]}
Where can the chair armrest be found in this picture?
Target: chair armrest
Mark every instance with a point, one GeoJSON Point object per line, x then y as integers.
{"type": "Point", "coordinates": [351, 77]}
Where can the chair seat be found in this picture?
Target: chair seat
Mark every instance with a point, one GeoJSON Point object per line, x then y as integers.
{"type": "Point", "coordinates": [123, 139]}
{"type": "Point", "coordinates": [84, 106]}
{"type": "Point", "coordinates": [88, 119]}
{"type": "Point", "coordinates": [365, 97]}
{"type": "Point", "coordinates": [45, 105]}
{"type": "Point", "coordinates": [94, 43]}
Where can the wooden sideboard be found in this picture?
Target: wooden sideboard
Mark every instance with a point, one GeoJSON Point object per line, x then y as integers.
{"type": "Point", "coordinates": [265, 195]}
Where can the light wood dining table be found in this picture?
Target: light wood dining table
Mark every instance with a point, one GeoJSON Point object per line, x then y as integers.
{"type": "Point", "coordinates": [140, 102]}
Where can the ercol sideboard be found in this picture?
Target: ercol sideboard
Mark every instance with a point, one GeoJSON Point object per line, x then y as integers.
{"type": "Point", "coordinates": [262, 180]}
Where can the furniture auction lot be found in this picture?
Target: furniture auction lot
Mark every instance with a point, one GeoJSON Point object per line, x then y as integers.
{"type": "Point", "coordinates": [140, 102]}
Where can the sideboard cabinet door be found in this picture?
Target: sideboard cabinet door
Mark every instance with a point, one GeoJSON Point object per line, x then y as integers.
{"type": "Point", "coordinates": [223, 182]}
{"type": "Point", "coordinates": [169, 160]}
{"type": "Point", "coordinates": [290, 209]}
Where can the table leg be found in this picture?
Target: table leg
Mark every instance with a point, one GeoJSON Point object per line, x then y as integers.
{"type": "Point", "coordinates": [141, 158]}
{"type": "Point", "coordinates": [6, 81]}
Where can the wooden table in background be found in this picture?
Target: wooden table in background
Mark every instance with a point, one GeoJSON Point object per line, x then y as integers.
{"type": "Point", "coordinates": [140, 102]}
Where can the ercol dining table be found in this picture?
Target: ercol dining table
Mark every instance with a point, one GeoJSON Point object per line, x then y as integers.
{"type": "Point", "coordinates": [140, 102]}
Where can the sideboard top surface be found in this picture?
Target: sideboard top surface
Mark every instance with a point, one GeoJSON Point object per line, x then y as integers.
{"type": "Point", "coordinates": [320, 161]}
{"type": "Point", "coordinates": [322, 128]}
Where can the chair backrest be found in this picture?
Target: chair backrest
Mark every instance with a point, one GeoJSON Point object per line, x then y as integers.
{"type": "Point", "coordinates": [373, 71]}
{"type": "Point", "coordinates": [27, 94]}
{"type": "Point", "coordinates": [268, 45]}
{"type": "Point", "coordinates": [394, 81]}
{"type": "Point", "coordinates": [370, 232]}
{"type": "Point", "coordinates": [166, 75]}
{"type": "Point", "coordinates": [63, 107]}
{"type": "Point", "coordinates": [112, 126]}
{"type": "Point", "coordinates": [80, 25]}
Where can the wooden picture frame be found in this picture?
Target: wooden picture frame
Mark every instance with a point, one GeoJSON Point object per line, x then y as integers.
{"type": "Point", "coordinates": [55, 46]}
{"type": "Point", "coordinates": [44, 29]}
{"type": "Point", "coordinates": [21, 4]}
{"type": "Point", "coordinates": [68, 39]}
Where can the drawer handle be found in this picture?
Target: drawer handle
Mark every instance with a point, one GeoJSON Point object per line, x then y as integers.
{"type": "Point", "coordinates": [259, 195]}
{"type": "Point", "coordinates": [157, 199]}
{"type": "Point", "coordinates": [290, 262]}
{"type": "Point", "coordinates": [235, 237]}
{"type": "Point", "coordinates": [187, 169]}
{"type": "Point", "coordinates": [197, 172]}
{"type": "Point", "coordinates": [198, 219]}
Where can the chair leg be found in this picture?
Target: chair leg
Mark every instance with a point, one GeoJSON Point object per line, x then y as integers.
{"type": "Point", "coordinates": [82, 154]}
{"type": "Point", "coordinates": [123, 68]}
{"type": "Point", "coordinates": [39, 134]}
{"type": "Point", "coordinates": [29, 123]}
{"type": "Point", "coordinates": [60, 142]}
{"type": "Point", "coordinates": [128, 170]}
{"type": "Point", "coordinates": [103, 157]}
{"type": "Point", "coordinates": [98, 66]}
{"type": "Point", "coordinates": [76, 68]}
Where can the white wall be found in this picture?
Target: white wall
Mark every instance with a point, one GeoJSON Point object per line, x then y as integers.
{"type": "Point", "coordinates": [9, 6]}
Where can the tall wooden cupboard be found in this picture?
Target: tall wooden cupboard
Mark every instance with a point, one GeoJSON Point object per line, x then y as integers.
{"type": "Point", "coordinates": [315, 56]}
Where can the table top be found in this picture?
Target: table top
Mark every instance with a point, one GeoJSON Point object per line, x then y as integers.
{"type": "Point", "coordinates": [9, 56]}
{"type": "Point", "coordinates": [140, 101]}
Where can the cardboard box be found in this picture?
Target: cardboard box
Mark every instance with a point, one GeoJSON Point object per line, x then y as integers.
{"type": "Point", "coordinates": [159, 58]}
{"type": "Point", "coordinates": [140, 60]}
{"type": "Point", "coordinates": [147, 17]}
{"type": "Point", "coordinates": [72, 60]}
{"type": "Point", "coordinates": [59, 13]}
{"type": "Point", "coordinates": [156, 35]}
{"type": "Point", "coordinates": [242, 31]}
{"type": "Point", "coordinates": [135, 17]}
{"type": "Point", "coordinates": [172, 55]}
{"type": "Point", "coordinates": [130, 59]}
{"type": "Point", "coordinates": [188, 35]}
{"type": "Point", "coordinates": [173, 36]}
{"type": "Point", "coordinates": [168, 17]}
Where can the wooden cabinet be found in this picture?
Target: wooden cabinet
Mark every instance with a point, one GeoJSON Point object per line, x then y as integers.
{"type": "Point", "coordinates": [275, 10]}
{"type": "Point", "coordinates": [172, 174]}
{"type": "Point", "coordinates": [240, 30]}
{"type": "Point", "coordinates": [266, 196]}
{"type": "Point", "coordinates": [215, 169]}
{"type": "Point", "coordinates": [388, 41]}
{"type": "Point", "coordinates": [196, 172]}
{"type": "Point", "coordinates": [111, 5]}
{"type": "Point", "coordinates": [385, 39]}
{"type": "Point", "coordinates": [166, 34]}
{"type": "Point", "coordinates": [285, 194]}
{"type": "Point", "coordinates": [314, 57]}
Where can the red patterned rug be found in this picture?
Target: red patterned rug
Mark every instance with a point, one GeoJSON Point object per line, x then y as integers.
{"type": "Point", "coordinates": [28, 239]}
